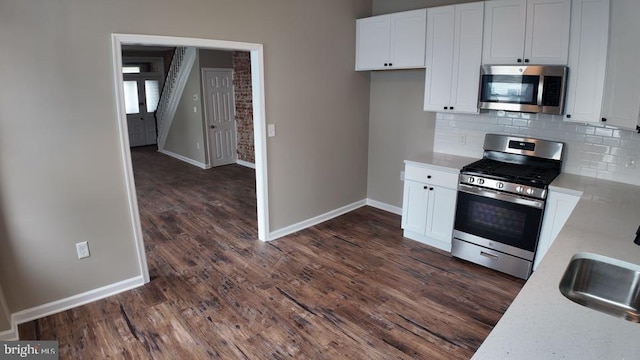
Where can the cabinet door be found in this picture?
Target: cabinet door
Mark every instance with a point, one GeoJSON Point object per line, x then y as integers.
{"type": "Point", "coordinates": [622, 81]}
{"type": "Point", "coordinates": [373, 36]}
{"type": "Point", "coordinates": [441, 213]}
{"type": "Point", "coordinates": [504, 28]}
{"type": "Point", "coordinates": [467, 57]}
{"type": "Point", "coordinates": [547, 34]}
{"type": "Point", "coordinates": [408, 31]}
{"type": "Point", "coordinates": [414, 206]}
{"type": "Point", "coordinates": [557, 211]}
{"type": "Point", "coordinates": [439, 58]}
{"type": "Point", "coordinates": [587, 60]}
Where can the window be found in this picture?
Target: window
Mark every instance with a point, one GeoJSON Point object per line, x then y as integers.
{"type": "Point", "coordinates": [131, 69]}
{"type": "Point", "coordinates": [152, 94]}
{"type": "Point", "coordinates": [131, 97]}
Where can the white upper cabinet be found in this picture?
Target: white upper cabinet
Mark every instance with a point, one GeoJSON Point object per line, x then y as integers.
{"type": "Point", "coordinates": [621, 104]}
{"type": "Point", "coordinates": [587, 60]}
{"type": "Point", "coordinates": [453, 57]}
{"type": "Point", "coordinates": [526, 31]}
{"type": "Point", "coordinates": [393, 41]}
{"type": "Point", "coordinates": [504, 27]}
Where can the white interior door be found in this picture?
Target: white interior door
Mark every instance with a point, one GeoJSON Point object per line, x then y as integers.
{"type": "Point", "coordinates": [220, 116]}
{"type": "Point", "coordinates": [141, 95]}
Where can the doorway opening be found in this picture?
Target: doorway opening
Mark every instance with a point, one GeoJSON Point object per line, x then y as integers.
{"type": "Point", "coordinates": [257, 83]}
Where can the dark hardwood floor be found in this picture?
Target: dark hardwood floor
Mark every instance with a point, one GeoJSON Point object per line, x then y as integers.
{"type": "Point", "coordinates": [349, 288]}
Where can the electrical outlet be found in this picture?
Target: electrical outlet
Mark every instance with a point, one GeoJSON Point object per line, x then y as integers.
{"type": "Point", "coordinates": [271, 130]}
{"type": "Point", "coordinates": [83, 250]}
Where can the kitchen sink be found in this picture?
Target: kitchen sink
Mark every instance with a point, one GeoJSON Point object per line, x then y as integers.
{"type": "Point", "coordinates": [604, 284]}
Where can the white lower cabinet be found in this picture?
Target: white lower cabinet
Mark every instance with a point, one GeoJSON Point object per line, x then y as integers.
{"type": "Point", "coordinates": [429, 205]}
{"type": "Point", "coordinates": [558, 209]}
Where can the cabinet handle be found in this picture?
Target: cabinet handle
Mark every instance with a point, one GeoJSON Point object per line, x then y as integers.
{"type": "Point", "coordinates": [390, 64]}
{"type": "Point", "coordinates": [638, 129]}
{"type": "Point", "coordinates": [425, 187]}
{"type": "Point", "coordinates": [428, 176]}
{"type": "Point", "coordinates": [385, 64]}
{"type": "Point", "coordinates": [526, 60]}
{"type": "Point", "coordinates": [430, 188]}
{"type": "Point", "coordinates": [446, 107]}
{"type": "Point", "coordinates": [450, 107]}
{"type": "Point", "coordinates": [604, 119]}
{"type": "Point", "coordinates": [568, 116]}
{"type": "Point", "coordinates": [519, 60]}
{"type": "Point", "coordinates": [490, 256]}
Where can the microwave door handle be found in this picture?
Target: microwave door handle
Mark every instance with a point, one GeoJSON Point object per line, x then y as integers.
{"type": "Point", "coordinates": [540, 89]}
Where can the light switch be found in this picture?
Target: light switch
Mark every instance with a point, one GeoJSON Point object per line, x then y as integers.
{"type": "Point", "coordinates": [271, 130]}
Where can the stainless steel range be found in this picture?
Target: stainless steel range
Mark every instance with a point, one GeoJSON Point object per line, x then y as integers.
{"type": "Point", "coordinates": [501, 200]}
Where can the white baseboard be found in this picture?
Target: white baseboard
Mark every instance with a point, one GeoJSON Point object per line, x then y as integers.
{"type": "Point", "coordinates": [383, 206]}
{"type": "Point", "coordinates": [57, 306]}
{"type": "Point", "coordinates": [246, 163]}
{"type": "Point", "coordinates": [6, 335]}
{"type": "Point", "coordinates": [315, 220]}
{"type": "Point", "coordinates": [184, 158]}
{"type": "Point", "coordinates": [9, 335]}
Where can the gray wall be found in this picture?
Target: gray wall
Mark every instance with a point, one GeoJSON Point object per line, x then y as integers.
{"type": "Point", "coordinates": [215, 59]}
{"type": "Point", "coordinates": [186, 135]}
{"type": "Point", "coordinates": [398, 127]}
{"type": "Point", "coordinates": [61, 172]}
{"type": "Point", "coordinates": [390, 6]}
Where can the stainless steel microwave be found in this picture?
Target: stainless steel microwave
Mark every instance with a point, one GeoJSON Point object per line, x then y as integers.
{"type": "Point", "coordinates": [523, 88]}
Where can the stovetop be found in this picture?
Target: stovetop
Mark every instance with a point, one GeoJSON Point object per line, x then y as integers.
{"type": "Point", "coordinates": [530, 175]}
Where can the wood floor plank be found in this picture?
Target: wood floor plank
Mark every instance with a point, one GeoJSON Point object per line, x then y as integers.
{"type": "Point", "coordinates": [349, 288]}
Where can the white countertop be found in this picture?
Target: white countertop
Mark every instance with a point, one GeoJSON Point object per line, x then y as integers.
{"type": "Point", "coordinates": [446, 162]}
{"type": "Point", "coordinates": [541, 323]}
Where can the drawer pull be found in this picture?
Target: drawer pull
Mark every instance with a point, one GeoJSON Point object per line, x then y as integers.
{"type": "Point", "coordinates": [490, 256]}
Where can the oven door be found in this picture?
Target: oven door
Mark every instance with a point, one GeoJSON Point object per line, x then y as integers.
{"type": "Point", "coordinates": [499, 221]}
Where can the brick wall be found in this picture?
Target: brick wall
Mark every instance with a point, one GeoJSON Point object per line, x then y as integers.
{"type": "Point", "coordinates": [244, 105]}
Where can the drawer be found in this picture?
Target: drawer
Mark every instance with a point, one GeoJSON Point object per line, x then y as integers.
{"type": "Point", "coordinates": [431, 176]}
{"type": "Point", "coordinates": [490, 258]}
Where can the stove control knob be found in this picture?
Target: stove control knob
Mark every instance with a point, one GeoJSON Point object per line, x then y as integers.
{"type": "Point", "coordinates": [519, 189]}
{"type": "Point", "coordinates": [500, 185]}
{"type": "Point", "coordinates": [471, 179]}
{"type": "Point", "coordinates": [530, 191]}
{"type": "Point", "coordinates": [480, 181]}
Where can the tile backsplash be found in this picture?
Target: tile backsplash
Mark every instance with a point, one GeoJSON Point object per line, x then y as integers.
{"type": "Point", "coordinates": [591, 150]}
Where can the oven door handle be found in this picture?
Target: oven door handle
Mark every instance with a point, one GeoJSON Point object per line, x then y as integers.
{"type": "Point", "coordinates": [538, 204]}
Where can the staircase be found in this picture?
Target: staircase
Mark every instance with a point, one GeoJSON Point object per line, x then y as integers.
{"type": "Point", "coordinates": [179, 70]}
